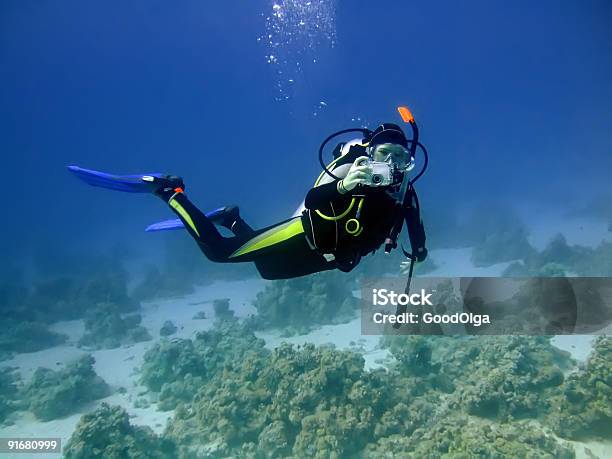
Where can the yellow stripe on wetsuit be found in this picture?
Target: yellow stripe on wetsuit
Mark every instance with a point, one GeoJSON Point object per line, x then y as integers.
{"type": "Point", "coordinates": [183, 213]}
{"type": "Point", "coordinates": [271, 237]}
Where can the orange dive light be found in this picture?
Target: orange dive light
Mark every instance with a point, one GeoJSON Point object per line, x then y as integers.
{"type": "Point", "coordinates": [405, 114]}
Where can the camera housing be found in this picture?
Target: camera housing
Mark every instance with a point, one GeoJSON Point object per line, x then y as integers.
{"type": "Point", "coordinates": [382, 172]}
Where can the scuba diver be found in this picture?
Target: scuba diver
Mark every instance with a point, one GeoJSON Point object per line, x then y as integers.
{"type": "Point", "coordinates": [360, 201]}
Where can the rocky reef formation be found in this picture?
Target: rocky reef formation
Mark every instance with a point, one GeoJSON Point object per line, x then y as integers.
{"type": "Point", "coordinates": [484, 224]}
{"type": "Point", "coordinates": [158, 284]}
{"type": "Point", "coordinates": [168, 328]}
{"type": "Point", "coordinates": [90, 288]}
{"type": "Point", "coordinates": [16, 337]}
{"type": "Point", "coordinates": [297, 305]}
{"type": "Point", "coordinates": [71, 296]}
{"type": "Point", "coordinates": [183, 268]}
{"type": "Point", "coordinates": [106, 328]}
{"type": "Point", "coordinates": [509, 377]}
{"type": "Point", "coordinates": [502, 245]}
{"type": "Point", "coordinates": [9, 392]}
{"type": "Point", "coordinates": [66, 288]}
{"type": "Point", "coordinates": [559, 259]}
{"type": "Point", "coordinates": [222, 309]}
{"type": "Point", "coordinates": [485, 396]}
{"type": "Point", "coordinates": [320, 402]}
{"type": "Point", "coordinates": [461, 437]}
{"type": "Point", "coordinates": [54, 394]}
{"type": "Point", "coordinates": [13, 291]}
{"type": "Point", "coordinates": [584, 407]}
{"type": "Point", "coordinates": [588, 270]}
{"type": "Point", "coordinates": [175, 370]}
{"type": "Point", "coordinates": [296, 402]}
{"type": "Point", "coordinates": [108, 433]}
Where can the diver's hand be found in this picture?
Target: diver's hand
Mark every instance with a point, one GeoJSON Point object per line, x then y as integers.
{"type": "Point", "coordinates": [357, 174]}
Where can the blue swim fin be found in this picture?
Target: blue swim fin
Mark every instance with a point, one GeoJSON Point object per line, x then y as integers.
{"type": "Point", "coordinates": [166, 225]}
{"type": "Point", "coordinates": [217, 216]}
{"type": "Point", "coordinates": [138, 183]}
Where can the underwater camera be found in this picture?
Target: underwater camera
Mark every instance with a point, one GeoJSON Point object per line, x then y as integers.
{"type": "Point", "coordinates": [383, 173]}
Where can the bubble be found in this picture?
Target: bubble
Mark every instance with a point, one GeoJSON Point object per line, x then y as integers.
{"type": "Point", "coordinates": [294, 32]}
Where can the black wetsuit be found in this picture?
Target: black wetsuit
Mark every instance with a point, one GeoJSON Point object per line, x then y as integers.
{"type": "Point", "coordinates": [304, 244]}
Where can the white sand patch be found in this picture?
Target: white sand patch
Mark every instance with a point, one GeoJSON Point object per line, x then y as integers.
{"type": "Point", "coordinates": [592, 449]}
{"type": "Point", "coordinates": [579, 346]}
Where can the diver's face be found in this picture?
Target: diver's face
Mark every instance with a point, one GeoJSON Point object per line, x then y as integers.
{"type": "Point", "coordinates": [394, 153]}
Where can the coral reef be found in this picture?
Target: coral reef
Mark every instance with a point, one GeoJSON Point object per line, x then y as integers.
{"type": "Point", "coordinates": [183, 268]}
{"type": "Point", "coordinates": [443, 397]}
{"type": "Point", "coordinates": [158, 284]}
{"type": "Point", "coordinates": [168, 328]}
{"type": "Point", "coordinates": [559, 258]}
{"type": "Point", "coordinates": [107, 329]}
{"type": "Point", "coordinates": [592, 295]}
{"type": "Point", "coordinates": [107, 433]}
{"type": "Point", "coordinates": [320, 402]}
{"type": "Point", "coordinates": [584, 408]}
{"type": "Point", "coordinates": [511, 377]}
{"type": "Point", "coordinates": [305, 402]}
{"type": "Point", "coordinates": [598, 261]}
{"type": "Point", "coordinates": [13, 292]}
{"type": "Point", "coordinates": [462, 437]}
{"type": "Point", "coordinates": [459, 226]}
{"type": "Point", "coordinates": [412, 353]}
{"type": "Point", "coordinates": [176, 369]}
{"type": "Point", "coordinates": [9, 391]}
{"type": "Point", "coordinates": [494, 377]}
{"type": "Point", "coordinates": [222, 310]}
{"type": "Point", "coordinates": [297, 305]}
{"type": "Point", "coordinates": [54, 394]}
{"type": "Point", "coordinates": [70, 297]}
{"type": "Point", "coordinates": [502, 245]}
{"type": "Point", "coordinates": [16, 337]}
{"type": "Point", "coordinates": [537, 306]}
{"type": "Point", "coordinates": [200, 315]}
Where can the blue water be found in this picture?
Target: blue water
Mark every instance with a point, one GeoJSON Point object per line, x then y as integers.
{"type": "Point", "coordinates": [512, 100]}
